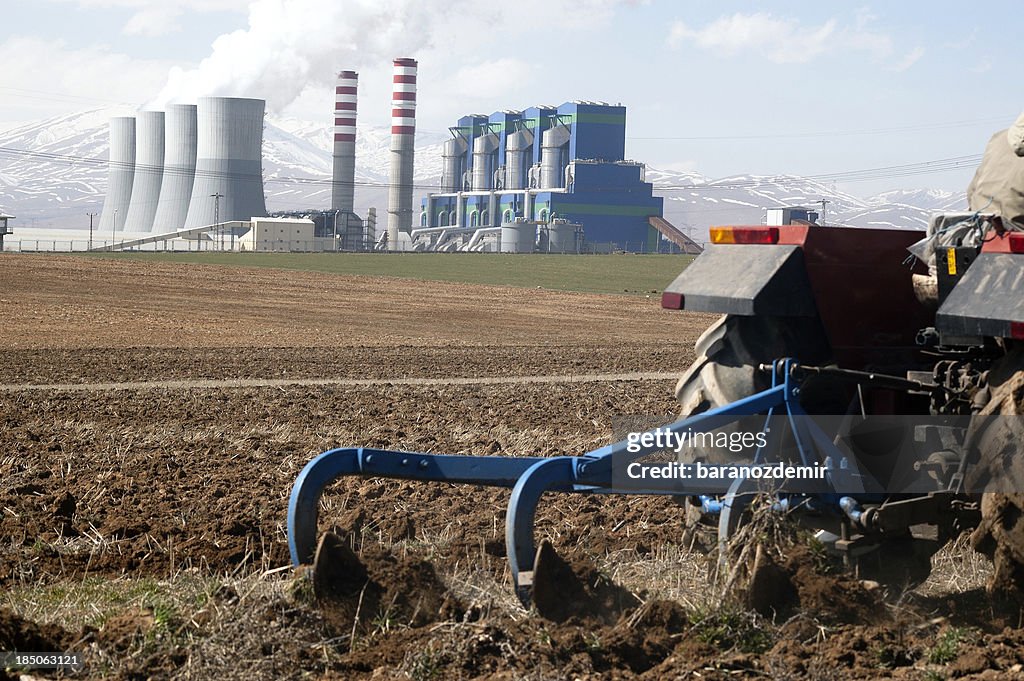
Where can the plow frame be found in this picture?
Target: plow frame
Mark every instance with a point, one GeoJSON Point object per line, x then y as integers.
{"type": "Point", "coordinates": [530, 477]}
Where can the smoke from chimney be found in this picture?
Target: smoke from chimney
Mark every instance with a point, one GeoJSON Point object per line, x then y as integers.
{"type": "Point", "coordinates": [291, 45]}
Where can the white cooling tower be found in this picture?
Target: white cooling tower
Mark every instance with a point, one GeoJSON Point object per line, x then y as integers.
{"type": "Point", "coordinates": [120, 175]}
{"type": "Point", "coordinates": [179, 168]}
{"type": "Point", "coordinates": [149, 171]}
{"type": "Point", "coordinates": [229, 168]}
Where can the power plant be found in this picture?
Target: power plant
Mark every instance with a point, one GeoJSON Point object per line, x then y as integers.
{"type": "Point", "coordinates": [545, 178]}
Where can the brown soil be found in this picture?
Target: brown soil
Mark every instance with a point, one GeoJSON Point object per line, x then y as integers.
{"type": "Point", "coordinates": [17, 633]}
{"type": "Point", "coordinates": [164, 485]}
{"type": "Point", "coordinates": [562, 591]}
{"type": "Point", "coordinates": [67, 302]}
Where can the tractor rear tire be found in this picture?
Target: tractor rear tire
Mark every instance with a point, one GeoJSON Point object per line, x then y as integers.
{"type": "Point", "coordinates": [731, 350]}
{"type": "Point", "coordinates": [729, 355]}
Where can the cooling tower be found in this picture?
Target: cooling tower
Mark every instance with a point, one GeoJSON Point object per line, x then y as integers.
{"type": "Point", "coordinates": [120, 174]}
{"type": "Point", "coordinates": [149, 171]}
{"type": "Point", "coordinates": [343, 183]}
{"type": "Point", "coordinates": [229, 138]}
{"type": "Point", "coordinates": [179, 168]}
{"type": "Point", "coordinates": [403, 139]}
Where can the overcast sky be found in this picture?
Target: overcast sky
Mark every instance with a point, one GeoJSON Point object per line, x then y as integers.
{"type": "Point", "coordinates": [719, 88]}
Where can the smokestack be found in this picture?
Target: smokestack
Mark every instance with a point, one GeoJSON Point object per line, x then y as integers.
{"type": "Point", "coordinates": [343, 184]}
{"type": "Point", "coordinates": [403, 139]}
{"type": "Point", "coordinates": [120, 175]}
{"type": "Point", "coordinates": [149, 171]}
{"type": "Point", "coordinates": [229, 167]}
{"type": "Point", "coordinates": [179, 168]}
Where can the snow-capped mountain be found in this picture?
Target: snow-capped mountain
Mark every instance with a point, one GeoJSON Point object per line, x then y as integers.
{"type": "Point", "coordinates": [53, 172]}
{"type": "Point", "coordinates": [693, 201]}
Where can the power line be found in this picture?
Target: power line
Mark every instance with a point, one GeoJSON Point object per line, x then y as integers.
{"type": "Point", "coordinates": [925, 127]}
{"type": "Point", "coordinates": [880, 173]}
{"type": "Point", "coordinates": [59, 96]}
{"type": "Point", "coordinates": [866, 174]}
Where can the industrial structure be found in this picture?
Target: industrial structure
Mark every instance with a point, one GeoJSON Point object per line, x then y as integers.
{"type": "Point", "coordinates": [346, 227]}
{"type": "Point", "coordinates": [195, 166]}
{"type": "Point", "coordinates": [539, 175]}
{"type": "Point", "coordinates": [195, 172]}
{"type": "Point", "coordinates": [550, 179]}
{"type": "Point", "coordinates": [149, 171]}
{"type": "Point", "coordinates": [120, 174]}
{"type": "Point", "coordinates": [229, 161]}
{"type": "Point", "coordinates": [403, 142]}
{"type": "Point", "coordinates": [179, 167]}
{"type": "Point", "coordinates": [4, 228]}
{"type": "Point", "coordinates": [343, 181]}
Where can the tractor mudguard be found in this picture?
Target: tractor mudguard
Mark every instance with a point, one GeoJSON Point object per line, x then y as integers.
{"type": "Point", "coordinates": [746, 280]}
{"type": "Point", "coordinates": [987, 300]}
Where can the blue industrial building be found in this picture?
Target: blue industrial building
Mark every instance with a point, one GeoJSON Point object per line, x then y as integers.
{"type": "Point", "coordinates": [544, 164]}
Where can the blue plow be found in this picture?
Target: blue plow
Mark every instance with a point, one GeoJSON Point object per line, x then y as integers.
{"type": "Point", "coordinates": [592, 473]}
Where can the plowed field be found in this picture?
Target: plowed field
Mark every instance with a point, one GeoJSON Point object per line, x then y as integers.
{"type": "Point", "coordinates": [154, 416]}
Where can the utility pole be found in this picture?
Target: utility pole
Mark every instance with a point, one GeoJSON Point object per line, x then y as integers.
{"type": "Point", "coordinates": [91, 216]}
{"type": "Point", "coordinates": [113, 230]}
{"type": "Point", "coordinates": [216, 218]}
{"type": "Point", "coordinates": [823, 203]}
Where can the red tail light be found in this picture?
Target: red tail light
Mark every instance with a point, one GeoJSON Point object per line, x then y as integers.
{"type": "Point", "coordinates": [672, 301]}
{"type": "Point", "coordinates": [1017, 330]}
{"type": "Point", "coordinates": [1016, 242]}
{"type": "Point", "coordinates": [744, 235]}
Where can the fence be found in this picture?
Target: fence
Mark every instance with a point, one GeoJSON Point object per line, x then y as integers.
{"type": "Point", "coordinates": [213, 246]}
{"type": "Point", "coordinates": [166, 246]}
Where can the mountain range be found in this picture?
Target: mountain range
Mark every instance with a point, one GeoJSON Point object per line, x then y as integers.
{"type": "Point", "coordinates": [53, 173]}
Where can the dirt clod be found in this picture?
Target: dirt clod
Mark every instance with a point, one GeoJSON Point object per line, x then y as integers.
{"type": "Point", "coordinates": [561, 590]}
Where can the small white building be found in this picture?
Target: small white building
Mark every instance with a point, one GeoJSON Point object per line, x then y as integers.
{"type": "Point", "coordinates": [790, 215]}
{"type": "Point", "coordinates": [4, 229]}
{"type": "Point", "coordinates": [281, 235]}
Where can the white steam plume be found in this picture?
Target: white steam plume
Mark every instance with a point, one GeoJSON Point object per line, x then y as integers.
{"type": "Point", "coordinates": [290, 44]}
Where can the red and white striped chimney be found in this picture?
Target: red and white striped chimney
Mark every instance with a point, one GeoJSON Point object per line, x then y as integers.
{"type": "Point", "coordinates": [403, 140]}
{"type": "Point", "coordinates": [344, 178]}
